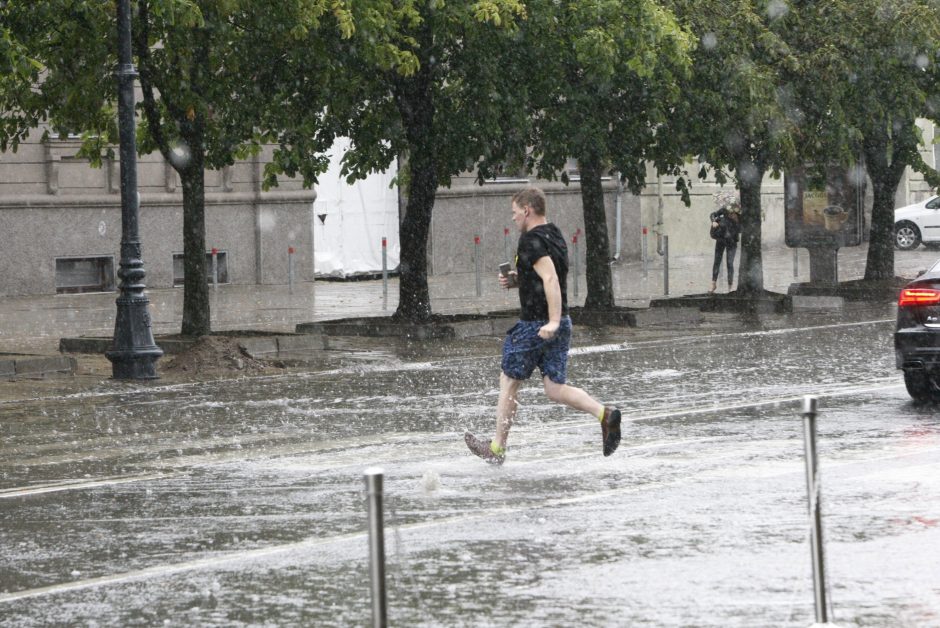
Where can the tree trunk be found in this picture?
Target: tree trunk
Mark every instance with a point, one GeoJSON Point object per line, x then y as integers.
{"type": "Point", "coordinates": [416, 106]}
{"type": "Point", "coordinates": [600, 292]}
{"type": "Point", "coordinates": [751, 269]}
{"type": "Point", "coordinates": [414, 299]}
{"type": "Point", "coordinates": [196, 315]}
{"type": "Point", "coordinates": [885, 179]}
{"type": "Point", "coordinates": [880, 261]}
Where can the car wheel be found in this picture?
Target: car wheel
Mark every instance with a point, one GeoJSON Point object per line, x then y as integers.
{"type": "Point", "coordinates": [918, 385]}
{"type": "Point", "coordinates": [906, 235]}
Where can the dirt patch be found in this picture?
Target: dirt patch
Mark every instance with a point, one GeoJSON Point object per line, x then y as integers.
{"type": "Point", "coordinates": [213, 355]}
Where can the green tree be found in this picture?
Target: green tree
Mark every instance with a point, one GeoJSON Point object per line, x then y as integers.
{"type": "Point", "coordinates": [18, 73]}
{"type": "Point", "coordinates": [734, 114]}
{"type": "Point", "coordinates": [204, 66]}
{"type": "Point", "coordinates": [438, 96]}
{"type": "Point", "coordinates": [606, 79]}
{"type": "Point", "coordinates": [878, 60]}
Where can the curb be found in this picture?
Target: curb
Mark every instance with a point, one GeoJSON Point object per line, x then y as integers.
{"type": "Point", "coordinates": [769, 303]}
{"type": "Point", "coordinates": [443, 328]}
{"type": "Point", "coordinates": [36, 366]}
{"type": "Point", "coordinates": [256, 345]}
{"type": "Point", "coordinates": [454, 326]}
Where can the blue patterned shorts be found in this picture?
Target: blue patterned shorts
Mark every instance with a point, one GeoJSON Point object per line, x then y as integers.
{"type": "Point", "coordinates": [523, 350]}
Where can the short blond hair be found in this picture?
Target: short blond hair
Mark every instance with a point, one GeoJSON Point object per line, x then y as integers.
{"type": "Point", "coordinates": [533, 198]}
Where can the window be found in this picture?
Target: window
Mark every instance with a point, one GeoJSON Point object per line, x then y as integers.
{"type": "Point", "coordinates": [84, 274]}
{"type": "Point", "coordinates": [179, 272]}
{"type": "Point", "coordinates": [508, 171]}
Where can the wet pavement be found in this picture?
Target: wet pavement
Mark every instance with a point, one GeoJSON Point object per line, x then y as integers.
{"type": "Point", "coordinates": [241, 502]}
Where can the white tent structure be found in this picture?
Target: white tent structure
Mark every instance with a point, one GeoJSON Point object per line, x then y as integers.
{"type": "Point", "coordinates": [349, 222]}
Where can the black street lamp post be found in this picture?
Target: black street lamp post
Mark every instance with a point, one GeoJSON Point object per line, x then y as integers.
{"type": "Point", "coordinates": [134, 353]}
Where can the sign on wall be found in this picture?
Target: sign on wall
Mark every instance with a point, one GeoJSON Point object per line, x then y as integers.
{"type": "Point", "coordinates": [824, 206]}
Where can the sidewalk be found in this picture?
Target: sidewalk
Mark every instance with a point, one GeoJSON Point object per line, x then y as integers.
{"type": "Point", "coordinates": [34, 325]}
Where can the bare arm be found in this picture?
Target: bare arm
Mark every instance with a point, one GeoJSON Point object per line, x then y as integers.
{"type": "Point", "coordinates": [546, 272]}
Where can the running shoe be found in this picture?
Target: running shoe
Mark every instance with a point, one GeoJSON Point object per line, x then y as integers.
{"type": "Point", "coordinates": [610, 430]}
{"type": "Point", "coordinates": [482, 449]}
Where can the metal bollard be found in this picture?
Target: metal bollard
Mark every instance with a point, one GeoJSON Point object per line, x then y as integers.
{"type": "Point", "coordinates": [577, 262]}
{"type": "Point", "coordinates": [643, 252]}
{"type": "Point", "coordinates": [373, 478]}
{"type": "Point", "coordinates": [664, 251]}
{"type": "Point", "coordinates": [384, 273]}
{"type": "Point", "coordinates": [815, 510]}
{"type": "Point", "coordinates": [478, 263]}
{"type": "Point", "coordinates": [215, 268]}
{"type": "Point", "coordinates": [290, 269]}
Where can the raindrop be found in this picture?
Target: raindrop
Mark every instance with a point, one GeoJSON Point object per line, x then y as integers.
{"type": "Point", "coordinates": [857, 175]}
{"type": "Point", "coordinates": [430, 481]}
{"type": "Point", "coordinates": [777, 9]}
{"type": "Point", "coordinates": [267, 221]}
{"type": "Point", "coordinates": [709, 41]}
{"type": "Point", "coordinates": [921, 61]}
{"type": "Point", "coordinates": [748, 172]}
{"type": "Point", "coordinates": [180, 156]}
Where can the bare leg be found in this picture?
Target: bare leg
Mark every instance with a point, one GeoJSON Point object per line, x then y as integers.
{"type": "Point", "coordinates": [506, 407]}
{"type": "Point", "coordinates": [572, 397]}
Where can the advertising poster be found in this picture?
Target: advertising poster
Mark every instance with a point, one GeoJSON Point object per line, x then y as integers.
{"type": "Point", "coordinates": [824, 207]}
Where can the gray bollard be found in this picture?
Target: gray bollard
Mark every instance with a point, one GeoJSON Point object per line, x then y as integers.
{"type": "Point", "coordinates": [290, 269]}
{"type": "Point", "coordinates": [384, 273]}
{"type": "Point", "coordinates": [478, 264]}
{"type": "Point", "coordinates": [373, 478]}
{"type": "Point", "coordinates": [815, 510]}
{"type": "Point", "coordinates": [666, 265]}
{"type": "Point", "coordinates": [215, 268]}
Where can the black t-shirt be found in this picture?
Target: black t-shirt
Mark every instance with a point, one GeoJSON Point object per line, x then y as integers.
{"type": "Point", "coordinates": [533, 245]}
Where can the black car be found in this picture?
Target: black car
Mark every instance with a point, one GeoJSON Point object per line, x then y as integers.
{"type": "Point", "coordinates": [917, 335]}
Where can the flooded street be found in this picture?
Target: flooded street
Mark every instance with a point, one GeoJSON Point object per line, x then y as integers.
{"type": "Point", "coordinates": [242, 502]}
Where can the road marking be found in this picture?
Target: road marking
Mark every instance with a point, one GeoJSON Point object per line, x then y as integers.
{"type": "Point", "coordinates": [225, 559]}
{"type": "Point", "coordinates": [80, 485]}
{"type": "Point", "coordinates": [331, 463]}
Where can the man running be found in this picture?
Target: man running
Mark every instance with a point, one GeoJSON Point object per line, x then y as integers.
{"type": "Point", "coordinates": [542, 336]}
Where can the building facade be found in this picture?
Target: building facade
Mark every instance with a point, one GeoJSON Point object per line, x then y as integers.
{"type": "Point", "coordinates": [60, 220]}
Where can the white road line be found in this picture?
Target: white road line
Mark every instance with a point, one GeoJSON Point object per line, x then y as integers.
{"type": "Point", "coordinates": [226, 559]}
{"type": "Point", "coordinates": [295, 449]}
{"type": "Point", "coordinates": [79, 485]}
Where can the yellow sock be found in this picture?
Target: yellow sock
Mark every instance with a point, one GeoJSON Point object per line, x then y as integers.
{"type": "Point", "coordinates": [600, 417]}
{"type": "Point", "coordinates": [496, 449]}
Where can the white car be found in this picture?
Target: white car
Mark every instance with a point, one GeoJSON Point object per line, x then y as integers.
{"type": "Point", "coordinates": [917, 223]}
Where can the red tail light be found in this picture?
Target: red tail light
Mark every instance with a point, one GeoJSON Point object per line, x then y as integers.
{"type": "Point", "coordinates": [918, 296]}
